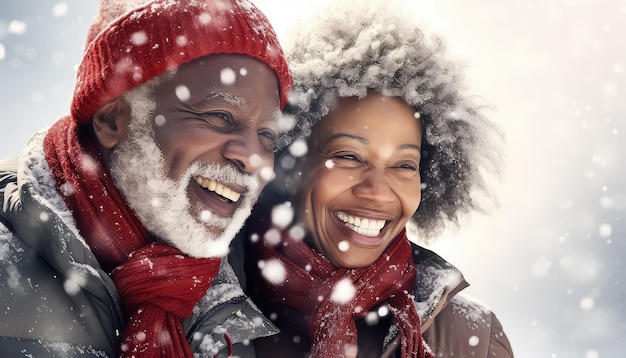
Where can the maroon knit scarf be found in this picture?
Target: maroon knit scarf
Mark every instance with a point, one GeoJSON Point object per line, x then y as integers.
{"type": "Point", "coordinates": [309, 283]}
{"type": "Point", "coordinates": [159, 285]}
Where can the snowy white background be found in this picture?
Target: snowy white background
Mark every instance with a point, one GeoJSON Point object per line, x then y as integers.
{"type": "Point", "coordinates": [550, 260]}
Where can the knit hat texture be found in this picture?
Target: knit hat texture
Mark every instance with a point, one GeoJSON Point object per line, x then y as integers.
{"type": "Point", "coordinates": [132, 41]}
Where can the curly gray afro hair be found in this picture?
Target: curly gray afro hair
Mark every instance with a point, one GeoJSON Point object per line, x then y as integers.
{"type": "Point", "coordinates": [355, 50]}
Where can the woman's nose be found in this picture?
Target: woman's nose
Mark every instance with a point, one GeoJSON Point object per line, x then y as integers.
{"type": "Point", "coordinates": [375, 187]}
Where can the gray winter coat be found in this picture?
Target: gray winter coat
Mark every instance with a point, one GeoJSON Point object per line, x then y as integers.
{"type": "Point", "coordinates": [56, 301]}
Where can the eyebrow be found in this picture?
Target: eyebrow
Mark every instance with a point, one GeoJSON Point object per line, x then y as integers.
{"type": "Point", "coordinates": [215, 98]}
{"type": "Point", "coordinates": [345, 135]}
{"type": "Point", "coordinates": [275, 115]}
{"type": "Point", "coordinates": [366, 141]}
{"type": "Point", "coordinates": [410, 146]}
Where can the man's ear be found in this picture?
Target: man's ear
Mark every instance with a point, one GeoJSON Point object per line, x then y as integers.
{"type": "Point", "coordinates": [110, 123]}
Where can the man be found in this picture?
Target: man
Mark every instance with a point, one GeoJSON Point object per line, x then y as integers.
{"type": "Point", "coordinates": [114, 220]}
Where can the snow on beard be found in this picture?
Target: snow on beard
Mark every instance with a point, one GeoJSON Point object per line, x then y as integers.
{"type": "Point", "coordinates": [162, 205]}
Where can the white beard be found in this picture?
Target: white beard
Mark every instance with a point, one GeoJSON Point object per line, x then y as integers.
{"type": "Point", "coordinates": [162, 205]}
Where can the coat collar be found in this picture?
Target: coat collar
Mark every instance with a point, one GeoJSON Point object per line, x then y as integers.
{"type": "Point", "coordinates": [38, 214]}
{"type": "Point", "coordinates": [437, 282]}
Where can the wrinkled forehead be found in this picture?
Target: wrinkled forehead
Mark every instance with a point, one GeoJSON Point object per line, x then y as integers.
{"type": "Point", "coordinates": [225, 68]}
{"type": "Point", "coordinates": [238, 80]}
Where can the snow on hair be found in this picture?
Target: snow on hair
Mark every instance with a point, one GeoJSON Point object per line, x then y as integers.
{"type": "Point", "coordinates": [352, 50]}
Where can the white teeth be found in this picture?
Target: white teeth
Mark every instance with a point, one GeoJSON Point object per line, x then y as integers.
{"type": "Point", "coordinates": [362, 226]}
{"type": "Point", "coordinates": [218, 188]}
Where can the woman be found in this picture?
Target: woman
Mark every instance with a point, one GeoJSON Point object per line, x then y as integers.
{"type": "Point", "coordinates": [391, 142]}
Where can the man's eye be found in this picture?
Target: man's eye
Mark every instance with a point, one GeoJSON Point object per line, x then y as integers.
{"type": "Point", "coordinates": [268, 139]}
{"type": "Point", "coordinates": [219, 120]}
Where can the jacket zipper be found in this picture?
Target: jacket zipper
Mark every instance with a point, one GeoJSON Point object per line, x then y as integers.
{"type": "Point", "coordinates": [118, 309]}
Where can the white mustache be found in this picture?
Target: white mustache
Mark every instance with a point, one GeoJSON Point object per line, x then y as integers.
{"type": "Point", "coordinates": [224, 173]}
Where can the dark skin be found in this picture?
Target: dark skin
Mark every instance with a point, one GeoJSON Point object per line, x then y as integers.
{"type": "Point", "coordinates": [257, 121]}
{"type": "Point", "coordinates": [362, 164]}
{"type": "Point", "coordinates": [216, 121]}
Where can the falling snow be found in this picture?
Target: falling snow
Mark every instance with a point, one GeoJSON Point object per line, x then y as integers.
{"type": "Point", "coordinates": [183, 93]}
{"type": "Point", "coordinates": [554, 72]}
{"type": "Point", "coordinates": [343, 291]}
{"type": "Point", "coordinates": [282, 215]}
{"type": "Point", "coordinates": [228, 76]}
{"type": "Point", "coordinates": [159, 120]}
{"type": "Point", "coordinates": [273, 271]}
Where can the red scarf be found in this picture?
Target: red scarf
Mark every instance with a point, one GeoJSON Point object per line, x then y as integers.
{"type": "Point", "coordinates": [309, 283]}
{"type": "Point", "coordinates": [159, 285]}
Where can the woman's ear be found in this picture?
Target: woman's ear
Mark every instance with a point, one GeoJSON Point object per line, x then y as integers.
{"type": "Point", "coordinates": [110, 123]}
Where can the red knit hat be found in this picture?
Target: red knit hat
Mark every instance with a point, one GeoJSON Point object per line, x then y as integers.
{"type": "Point", "coordinates": [132, 41]}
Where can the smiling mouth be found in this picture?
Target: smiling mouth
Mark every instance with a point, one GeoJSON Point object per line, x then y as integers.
{"type": "Point", "coordinates": [362, 226]}
{"type": "Point", "coordinates": [218, 188]}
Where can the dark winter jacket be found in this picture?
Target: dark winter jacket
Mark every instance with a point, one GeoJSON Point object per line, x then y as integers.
{"type": "Point", "coordinates": [453, 325]}
{"type": "Point", "coordinates": [56, 301]}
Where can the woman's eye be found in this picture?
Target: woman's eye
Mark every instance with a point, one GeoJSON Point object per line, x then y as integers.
{"type": "Point", "coordinates": [347, 157]}
{"type": "Point", "coordinates": [407, 166]}
{"type": "Point", "coordinates": [407, 169]}
{"type": "Point", "coordinates": [347, 160]}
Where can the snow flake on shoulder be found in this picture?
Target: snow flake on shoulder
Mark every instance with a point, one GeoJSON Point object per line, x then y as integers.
{"type": "Point", "coordinates": [475, 312]}
{"type": "Point", "coordinates": [436, 278]}
{"type": "Point", "coordinates": [33, 170]}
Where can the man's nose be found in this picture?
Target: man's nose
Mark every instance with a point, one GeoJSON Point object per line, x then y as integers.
{"type": "Point", "coordinates": [246, 152]}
